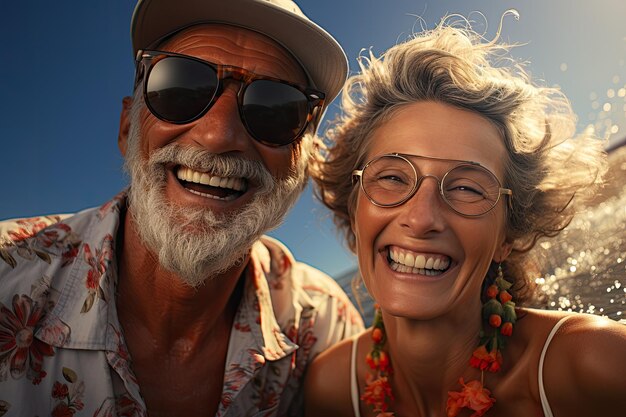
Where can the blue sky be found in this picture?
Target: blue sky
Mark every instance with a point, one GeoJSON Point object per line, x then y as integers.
{"type": "Point", "coordinates": [66, 65]}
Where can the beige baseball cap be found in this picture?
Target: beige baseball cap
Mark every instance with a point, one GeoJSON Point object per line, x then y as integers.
{"type": "Point", "coordinates": [321, 57]}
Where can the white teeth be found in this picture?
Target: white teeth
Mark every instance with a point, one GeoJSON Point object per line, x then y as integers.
{"type": "Point", "coordinates": [227, 198]}
{"type": "Point", "coordinates": [189, 175]}
{"type": "Point", "coordinates": [444, 264]}
{"type": "Point", "coordinates": [401, 258]}
{"type": "Point", "coordinates": [429, 263]}
{"type": "Point", "coordinates": [437, 263]}
{"type": "Point", "coordinates": [408, 270]}
{"type": "Point", "coordinates": [417, 264]}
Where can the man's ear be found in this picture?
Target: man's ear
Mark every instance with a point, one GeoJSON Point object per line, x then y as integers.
{"type": "Point", "coordinates": [122, 137]}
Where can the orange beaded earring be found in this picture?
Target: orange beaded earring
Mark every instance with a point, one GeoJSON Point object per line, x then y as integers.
{"type": "Point", "coordinates": [498, 318]}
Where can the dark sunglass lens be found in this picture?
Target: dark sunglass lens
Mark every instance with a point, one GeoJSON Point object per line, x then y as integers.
{"type": "Point", "coordinates": [274, 112]}
{"type": "Point", "coordinates": [179, 89]}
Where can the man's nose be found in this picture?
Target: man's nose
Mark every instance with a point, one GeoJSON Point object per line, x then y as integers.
{"type": "Point", "coordinates": [221, 130]}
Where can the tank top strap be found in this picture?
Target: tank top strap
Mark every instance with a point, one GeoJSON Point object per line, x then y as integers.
{"type": "Point", "coordinates": [354, 385]}
{"type": "Point", "coordinates": [547, 411]}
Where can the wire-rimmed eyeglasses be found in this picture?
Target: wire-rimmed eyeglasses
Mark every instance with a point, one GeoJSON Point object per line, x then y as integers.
{"type": "Point", "coordinates": [468, 188]}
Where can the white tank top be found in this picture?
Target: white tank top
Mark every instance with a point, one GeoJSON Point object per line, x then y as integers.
{"type": "Point", "coordinates": [354, 386]}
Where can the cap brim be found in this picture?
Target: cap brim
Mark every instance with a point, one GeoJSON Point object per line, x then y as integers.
{"type": "Point", "coordinates": [317, 51]}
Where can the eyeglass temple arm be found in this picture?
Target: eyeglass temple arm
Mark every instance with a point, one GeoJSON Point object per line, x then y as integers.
{"type": "Point", "coordinates": [315, 117]}
{"type": "Point", "coordinates": [509, 192]}
{"type": "Point", "coordinates": [139, 68]}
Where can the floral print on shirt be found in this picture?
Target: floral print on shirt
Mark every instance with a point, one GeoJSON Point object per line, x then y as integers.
{"type": "Point", "coordinates": [98, 264]}
{"type": "Point", "coordinates": [49, 238]}
{"type": "Point", "coordinates": [20, 351]}
{"type": "Point", "coordinates": [62, 346]}
{"type": "Point", "coordinates": [67, 395]}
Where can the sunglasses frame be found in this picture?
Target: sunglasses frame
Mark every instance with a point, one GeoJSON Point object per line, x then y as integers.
{"type": "Point", "coordinates": [315, 99]}
{"type": "Point", "coordinates": [419, 178]}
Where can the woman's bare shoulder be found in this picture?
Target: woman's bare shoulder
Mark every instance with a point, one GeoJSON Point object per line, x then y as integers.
{"type": "Point", "coordinates": [584, 370]}
{"type": "Point", "coordinates": [327, 382]}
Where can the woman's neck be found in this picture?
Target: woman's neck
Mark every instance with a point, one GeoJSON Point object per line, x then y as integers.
{"type": "Point", "coordinates": [428, 358]}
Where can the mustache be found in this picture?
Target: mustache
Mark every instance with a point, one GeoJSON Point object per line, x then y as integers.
{"type": "Point", "coordinates": [220, 165]}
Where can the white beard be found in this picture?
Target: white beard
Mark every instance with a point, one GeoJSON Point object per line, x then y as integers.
{"type": "Point", "coordinates": [193, 242]}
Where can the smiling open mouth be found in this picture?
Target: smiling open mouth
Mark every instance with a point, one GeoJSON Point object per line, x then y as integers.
{"type": "Point", "coordinates": [211, 186]}
{"type": "Point", "coordinates": [417, 263]}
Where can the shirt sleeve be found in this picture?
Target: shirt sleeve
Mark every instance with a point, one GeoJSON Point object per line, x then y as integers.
{"type": "Point", "coordinates": [334, 318]}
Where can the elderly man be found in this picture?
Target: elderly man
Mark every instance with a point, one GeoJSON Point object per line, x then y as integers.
{"type": "Point", "coordinates": [168, 300]}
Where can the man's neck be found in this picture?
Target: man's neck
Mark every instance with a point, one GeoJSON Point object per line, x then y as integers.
{"type": "Point", "coordinates": [166, 307]}
{"type": "Point", "coordinates": [175, 330]}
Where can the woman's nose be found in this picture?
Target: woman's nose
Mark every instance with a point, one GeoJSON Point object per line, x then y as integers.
{"type": "Point", "coordinates": [422, 213]}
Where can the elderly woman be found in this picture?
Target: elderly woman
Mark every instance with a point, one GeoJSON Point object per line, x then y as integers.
{"type": "Point", "coordinates": [446, 167]}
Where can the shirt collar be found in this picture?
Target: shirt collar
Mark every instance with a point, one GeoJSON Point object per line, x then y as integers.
{"type": "Point", "coordinates": [257, 307]}
{"type": "Point", "coordinates": [83, 292]}
{"type": "Point", "coordinates": [86, 303]}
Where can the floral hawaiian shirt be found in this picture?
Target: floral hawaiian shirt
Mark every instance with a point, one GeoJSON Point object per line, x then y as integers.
{"type": "Point", "coordinates": [62, 349]}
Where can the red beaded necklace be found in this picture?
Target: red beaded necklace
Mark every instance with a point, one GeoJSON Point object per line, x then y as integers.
{"type": "Point", "coordinates": [498, 317]}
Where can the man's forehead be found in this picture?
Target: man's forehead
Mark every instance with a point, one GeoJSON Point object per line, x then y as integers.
{"type": "Point", "coordinates": [238, 46]}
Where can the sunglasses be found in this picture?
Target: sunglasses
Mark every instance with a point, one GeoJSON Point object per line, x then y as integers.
{"type": "Point", "coordinates": [180, 89]}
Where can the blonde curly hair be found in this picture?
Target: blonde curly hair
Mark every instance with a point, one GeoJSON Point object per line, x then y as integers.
{"type": "Point", "coordinates": [546, 166]}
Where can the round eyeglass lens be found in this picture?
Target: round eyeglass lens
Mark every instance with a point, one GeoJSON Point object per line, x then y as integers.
{"type": "Point", "coordinates": [274, 112]}
{"type": "Point", "coordinates": [470, 189]}
{"type": "Point", "coordinates": [179, 89]}
{"type": "Point", "coordinates": [388, 180]}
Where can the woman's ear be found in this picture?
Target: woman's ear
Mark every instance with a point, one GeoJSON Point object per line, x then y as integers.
{"type": "Point", "coordinates": [122, 136]}
{"type": "Point", "coordinates": [502, 252]}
